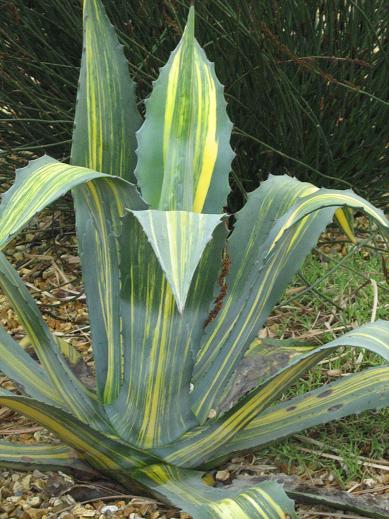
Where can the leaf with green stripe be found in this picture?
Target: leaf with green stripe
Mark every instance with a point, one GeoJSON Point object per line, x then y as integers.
{"type": "Point", "coordinates": [188, 490]}
{"type": "Point", "coordinates": [188, 164]}
{"type": "Point", "coordinates": [106, 113]}
{"type": "Point", "coordinates": [263, 262]}
{"type": "Point", "coordinates": [198, 445]}
{"type": "Point", "coordinates": [49, 456]}
{"type": "Point", "coordinates": [154, 404]}
{"type": "Point", "coordinates": [103, 139]}
{"type": "Point", "coordinates": [43, 181]}
{"type": "Point", "coordinates": [178, 239]}
{"type": "Point", "coordinates": [74, 396]}
{"type": "Point", "coordinates": [103, 452]}
{"type": "Point", "coordinates": [16, 364]}
{"type": "Point", "coordinates": [355, 393]}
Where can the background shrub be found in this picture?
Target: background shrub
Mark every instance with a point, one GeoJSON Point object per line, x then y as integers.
{"type": "Point", "coordinates": [307, 80]}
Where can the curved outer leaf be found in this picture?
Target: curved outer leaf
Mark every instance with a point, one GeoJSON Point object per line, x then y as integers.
{"type": "Point", "coordinates": [178, 239]}
{"type": "Point", "coordinates": [101, 451]}
{"type": "Point", "coordinates": [74, 395]}
{"type": "Point", "coordinates": [16, 364]}
{"type": "Point", "coordinates": [49, 456]}
{"type": "Point", "coordinates": [368, 389]}
{"type": "Point", "coordinates": [187, 490]}
{"type": "Point", "coordinates": [277, 253]}
{"type": "Point", "coordinates": [188, 163]}
{"type": "Point", "coordinates": [154, 405]}
{"type": "Point", "coordinates": [39, 184]}
{"type": "Point", "coordinates": [106, 113]}
{"type": "Point", "coordinates": [199, 445]}
{"type": "Point", "coordinates": [104, 139]}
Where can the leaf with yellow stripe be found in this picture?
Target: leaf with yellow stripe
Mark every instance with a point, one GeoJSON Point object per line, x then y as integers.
{"type": "Point", "coordinates": [153, 407]}
{"type": "Point", "coordinates": [104, 140]}
{"type": "Point", "coordinates": [275, 231]}
{"type": "Point", "coordinates": [188, 164]}
{"type": "Point", "coordinates": [103, 452]}
{"type": "Point", "coordinates": [198, 445]}
{"type": "Point", "coordinates": [43, 181]}
{"type": "Point", "coordinates": [16, 364]}
{"type": "Point", "coordinates": [188, 490]}
{"type": "Point", "coordinates": [72, 393]}
{"type": "Point", "coordinates": [355, 393]}
{"type": "Point", "coordinates": [106, 113]}
{"type": "Point", "coordinates": [264, 357]}
{"type": "Point", "coordinates": [48, 456]}
{"type": "Point", "coordinates": [178, 239]}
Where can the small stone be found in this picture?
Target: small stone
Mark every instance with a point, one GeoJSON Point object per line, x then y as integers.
{"type": "Point", "coordinates": [212, 414]}
{"type": "Point", "coordinates": [34, 501]}
{"type": "Point", "coordinates": [222, 475]}
{"type": "Point", "coordinates": [109, 508]}
{"type": "Point", "coordinates": [334, 373]}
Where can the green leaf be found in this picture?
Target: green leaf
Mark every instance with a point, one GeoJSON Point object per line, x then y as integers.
{"type": "Point", "coordinates": [198, 445]}
{"type": "Point", "coordinates": [184, 155]}
{"type": "Point", "coordinates": [74, 396]}
{"type": "Point", "coordinates": [43, 181]}
{"type": "Point", "coordinates": [154, 404]}
{"type": "Point", "coordinates": [178, 239]}
{"type": "Point", "coordinates": [106, 113]}
{"type": "Point", "coordinates": [20, 456]}
{"type": "Point", "coordinates": [253, 292]}
{"type": "Point", "coordinates": [250, 285]}
{"type": "Point", "coordinates": [368, 389]}
{"type": "Point", "coordinates": [106, 453]}
{"type": "Point", "coordinates": [16, 364]}
{"type": "Point", "coordinates": [188, 490]}
{"type": "Point", "coordinates": [104, 139]}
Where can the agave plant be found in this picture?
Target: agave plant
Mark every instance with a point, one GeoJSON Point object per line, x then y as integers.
{"type": "Point", "coordinates": [176, 294]}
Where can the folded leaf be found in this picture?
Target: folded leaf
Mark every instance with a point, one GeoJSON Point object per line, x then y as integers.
{"type": "Point", "coordinates": [188, 163]}
{"type": "Point", "coordinates": [187, 490]}
{"type": "Point", "coordinates": [178, 239]}
{"type": "Point", "coordinates": [40, 183]}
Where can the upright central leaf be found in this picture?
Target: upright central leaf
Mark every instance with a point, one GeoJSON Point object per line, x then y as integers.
{"type": "Point", "coordinates": [187, 166]}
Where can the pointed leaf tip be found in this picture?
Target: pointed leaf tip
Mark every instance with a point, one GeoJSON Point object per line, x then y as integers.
{"type": "Point", "coordinates": [190, 22]}
{"type": "Point", "coordinates": [178, 239]}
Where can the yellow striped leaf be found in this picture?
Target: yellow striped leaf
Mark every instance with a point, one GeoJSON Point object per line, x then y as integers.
{"type": "Point", "coordinates": [184, 155]}
{"type": "Point", "coordinates": [153, 407]}
{"type": "Point", "coordinates": [73, 395]}
{"type": "Point", "coordinates": [43, 181]}
{"type": "Point", "coordinates": [106, 113]}
{"type": "Point", "coordinates": [104, 139]}
{"type": "Point", "coordinates": [368, 389]}
{"type": "Point", "coordinates": [103, 452]}
{"type": "Point", "coordinates": [199, 445]}
{"type": "Point", "coordinates": [16, 364]}
{"type": "Point", "coordinates": [49, 456]}
{"type": "Point", "coordinates": [188, 490]}
{"type": "Point", "coordinates": [178, 239]}
{"type": "Point", "coordinates": [293, 215]}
